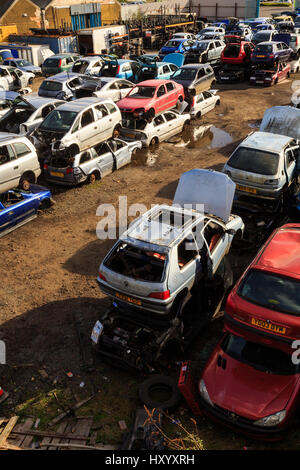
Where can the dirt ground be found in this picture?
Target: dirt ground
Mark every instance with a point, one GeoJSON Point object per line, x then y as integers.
{"type": "Point", "coordinates": [49, 270]}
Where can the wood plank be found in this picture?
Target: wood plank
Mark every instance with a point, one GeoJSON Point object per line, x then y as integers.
{"type": "Point", "coordinates": [22, 428]}
{"type": "Point", "coordinates": [68, 430]}
{"type": "Point", "coordinates": [60, 430]}
{"type": "Point", "coordinates": [28, 439]}
{"type": "Point", "coordinates": [60, 434]}
{"type": "Point", "coordinates": [8, 428]}
{"type": "Point", "coordinates": [82, 428]}
{"type": "Point", "coordinates": [93, 438]}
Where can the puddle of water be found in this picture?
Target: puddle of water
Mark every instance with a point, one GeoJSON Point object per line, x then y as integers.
{"type": "Point", "coordinates": [204, 137]}
{"type": "Point", "coordinates": [254, 124]}
{"type": "Point", "coordinates": [145, 157]}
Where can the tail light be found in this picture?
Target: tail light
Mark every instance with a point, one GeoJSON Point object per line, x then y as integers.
{"type": "Point", "coordinates": [160, 295]}
{"type": "Point", "coordinates": [45, 166]}
{"type": "Point", "coordinates": [59, 63]}
{"type": "Point", "coordinates": [271, 56]}
{"type": "Point", "coordinates": [69, 171]}
{"type": "Point", "coordinates": [101, 276]}
{"type": "Point", "coordinates": [230, 305]}
{"type": "Point", "coordinates": [118, 69]}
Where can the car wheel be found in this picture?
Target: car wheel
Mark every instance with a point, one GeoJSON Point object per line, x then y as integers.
{"type": "Point", "coordinates": [153, 142]}
{"type": "Point", "coordinates": [92, 178]}
{"type": "Point", "coordinates": [25, 183]}
{"type": "Point", "coordinates": [116, 132]}
{"type": "Point", "coordinates": [162, 385]}
{"type": "Point", "coordinates": [199, 115]}
{"type": "Point", "coordinates": [150, 115]}
{"type": "Point", "coordinates": [30, 81]}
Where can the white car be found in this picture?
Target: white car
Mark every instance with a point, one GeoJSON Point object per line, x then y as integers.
{"type": "Point", "coordinates": [203, 103]}
{"type": "Point", "coordinates": [162, 127]}
{"type": "Point", "coordinates": [12, 78]}
{"type": "Point", "coordinates": [184, 36]}
{"type": "Point", "coordinates": [295, 65]}
{"type": "Point", "coordinates": [114, 88]}
{"type": "Point", "coordinates": [25, 115]}
{"type": "Point", "coordinates": [88, 65]}
{"type": "Point", "coordinates": [211, 30]}
{"type": "Point", "coordinates": [77, 125]}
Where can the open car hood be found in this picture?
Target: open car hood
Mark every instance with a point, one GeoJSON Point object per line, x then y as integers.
{"type": "Point", "coordinates": [13, 98]}
{"type": "Point", "coordinates": [174, 58]}
{"type": "Point", "coordinates": [283, 120]}
{"type": "Point", "coordinates": [213, 189]}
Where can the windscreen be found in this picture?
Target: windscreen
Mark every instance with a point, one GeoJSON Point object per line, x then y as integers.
{"type": "Point", "coordinates": [49, 85]}
{"type": "Point", "coordinates": [142, 92]}
{"type": "Point", "coordinates": [254, 161]}
{"type": "Point", "coordinates": [58, 120]}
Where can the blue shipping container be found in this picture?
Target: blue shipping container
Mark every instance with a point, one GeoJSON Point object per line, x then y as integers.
{"type": "Point", "coordinates": [57, 44]}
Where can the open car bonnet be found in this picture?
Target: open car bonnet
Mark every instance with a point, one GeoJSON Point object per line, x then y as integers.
{"type": "Point", "coordinates": [211, 188]}
{"type": "Point", "coordinates": [174, 58]}
{"type": "Point", "coordinates": [283, 120]}
{"type": "Point", "coordinates": [11, 97]}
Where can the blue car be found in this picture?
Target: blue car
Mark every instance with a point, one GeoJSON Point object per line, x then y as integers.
{"type": "Point", "coordinates": [176, 45]}
{"type": "Point", "coordinates": [162, 70]}
{"type": "Point", "coordinates": [121, 68]}
{"type": "Point", "coordinates": [17, 207]}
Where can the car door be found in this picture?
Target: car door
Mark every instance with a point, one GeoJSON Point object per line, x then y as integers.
{"type": "Point", "coordinates": [285, 51]}
{"type": "Point", "coordinates": [161, 99]}
{"type": "Point", "coordinates": [174, 123]}
{"type": "Point", "coordinates": [9, 168]}
{"type": "Point", "coordinates": [121, 152]}
{"type": "Point", "coordinates": [209, 102]}
{"type": "Point", "coordinates": [217, 241]}
{"type": "Point", "coordinates": [291, 155]}
{"type": "Point", "coordinates": [125, 71]}
{"type": "Point", "coordinates": [211, 51]}
{"type": "Point", "coordinates": [160, 127]}
{"type": "Point", "coordinates": [89, 129]}
{"type": "Point", "coordinates": [105, 160]}
{"type": "Point", "coordinates": [37, 118]}
{"type": "Point", "coordinates": [19, 209]}
{"type": "Point", "coordinates": [21, 80]}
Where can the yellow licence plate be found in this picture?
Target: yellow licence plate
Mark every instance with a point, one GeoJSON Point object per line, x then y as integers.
{"type": "Point", "coordinates": [128, 299]}
{"type": "Point", "coordinates": [246, 189]}
{"type": "Point", "coordinates": [260, 56]}
{"type": "Point", "coordinates": [131, 136]}
{"type": "Point", "coordinates": [56, 173]}
{"type": "Point", "coordinates": [268, 326]}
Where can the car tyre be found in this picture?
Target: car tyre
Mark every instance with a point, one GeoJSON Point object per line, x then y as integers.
{"type": "Point", "coordinates": [159, 383]}
{"type": "Point", "coordinates": [199, 115]}
{"type": "Point", "coordinates": [154, 141]}
{"type": "Point", "coordinates": [25, 182]}
{"type": "Point", "coordinates": [150, 115]}
{"type": "Point", "coordinates": [92, 178]}
{"type": "Point", "coordinates": [116, 132]}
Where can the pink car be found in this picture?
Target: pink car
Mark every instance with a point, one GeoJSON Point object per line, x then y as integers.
{"type": "Point", "coordinates": [151, 97]}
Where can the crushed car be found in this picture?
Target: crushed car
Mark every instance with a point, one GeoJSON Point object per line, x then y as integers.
{"type": "Point", "coordinates": [76, 126]}
{"type": "Point", "coordinates": [203, 103]}
{"type": "Point", "coordinates": [205, 51]}
{"type": "Point", "coordinates": [169, 257]}
{"type": "Point", "coordinates": [17, 206]}
{"type": "Point", "coordinates": [91, 164]}
{"type": "Point", "coordinates": [194, 78]}
{"type": "Point", "coordinates": [13, 79]}
{"type": "Point", "coordinates": [105, 87]}
{"type": "Point", "coordinates": [162, 127]}
{"type": "Point", "coordinates": [271, 75]}
{"type": "Point", "coordinates": [25, 115]}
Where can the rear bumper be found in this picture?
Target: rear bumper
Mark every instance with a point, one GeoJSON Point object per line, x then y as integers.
{"type": "Point", "coordinates": [240, 424]}
{"type": "Point", "coordinates": [69, 181]}
{"type": "Point", "coordinates": [161, 308]}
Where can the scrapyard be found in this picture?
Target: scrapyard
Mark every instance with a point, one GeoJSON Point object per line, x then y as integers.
{"type": "Point", "coordinates": [150, 233]}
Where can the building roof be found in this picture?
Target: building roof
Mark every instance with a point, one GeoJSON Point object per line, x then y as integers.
{"type": "Point", "coordinates": [6, 4]}
{"type": "Point", "coordinates": [42, 3]}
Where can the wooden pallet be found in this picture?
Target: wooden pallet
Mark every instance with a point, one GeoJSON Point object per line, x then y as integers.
{"type": "Point", "coordinates": [71, 434]}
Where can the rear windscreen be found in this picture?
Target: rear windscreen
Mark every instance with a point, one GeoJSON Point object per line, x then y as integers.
{"type": "Point", "coordinates": [254, 161]}
{"type": "Point", "coordinates": [232, 50]}
{"type": "Point", "coordinates": [51, 86]}
{"type": "Point", "coordinates": [136, 263]}
{"type": "Point", "coordinates": [51, 62]}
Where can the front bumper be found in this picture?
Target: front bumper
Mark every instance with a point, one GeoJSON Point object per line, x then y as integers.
{"type": "Point", "coordinates": [240, 424]}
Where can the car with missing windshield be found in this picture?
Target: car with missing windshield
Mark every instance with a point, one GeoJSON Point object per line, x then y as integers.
{"type": "Point", "coordinates": [176, 46]}
{"type": "Point", "coordinates": [203, 103]}
{"type": "Point", "coordinates": [205, 51]}
{"type": "Point", "coordinates": [77, 125]}
{"type": "Point", "coordinates": [194, 78]}
{"type": "Point", "coordinates": [17, 206]}
{"type": "Point", "coordinates": [25, 115]}
{"type": "Point", "coordinates": [237, 51]}
{"type": "Point", "coordinates": [151, 97]}
{"type": "Point", "coordinates": [162, 127]}
{"type": "Point", "coordinates": [19, 165]}
{"type": "Point", "coordinates": [87, 65]}
{"type": "Point", "coordinates": [90, 165]}
{"type": "Point", "coordinates": [63, 85]}
{"type": "Point", "coordinates": [271, 75]}
{"type": "Point", "coordinates": [171, 251]}
{"type": "Point", "coordinates": [264, 36]}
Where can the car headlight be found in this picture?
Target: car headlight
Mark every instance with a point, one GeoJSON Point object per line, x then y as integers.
{"type": "Point", "coordinates": [271, 420]}
{"type": "Point", "coordinates": [204, 393]}
{"type": "Point", "coordinates": [274, 182]}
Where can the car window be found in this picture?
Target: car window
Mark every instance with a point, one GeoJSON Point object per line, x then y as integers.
{"type": "Point", "coordinates": [69, 60]}
{"type": "Point", "coordinates": [173, 67]}
{"type": "Point", "coordinates": [10, 198]}
{"type": "Point", "coordinates": [85, 157]}
{"type": "Point", "coordinates": [170, 116]}
{"type": "Point", "coordinates": [206, 95]}
{"type": "Point", "coordinates": [76, 126]}
{"type": "Point", "coordinates": [101, 149]}
{"type": "Point", "coordinates": [111, 107]}
{"type": "Point", "coordinates": [87, 118]}
{"type": "Point", "coordinates": [200, 98]}
{"type": "Point", "coordinates": [3, 72]}
{"type": "Point", "coordinates": [290, 157]}
{"type": "Point", "coordinates": [21, 149]}
{"type": "Point", "coordinates": [114, 86]}
{"type": "Point", "coordinates": [102, 110]}
{"type": "Point", "coordinates": [161, 91]}
{"type": "Point", "coordinates": [186, 251]}
{"type": "Point", "coordinates": [123, 85]}
{"type": "Point", "coordinates": [166, 69]}
{"type": "Point", "coordinates": [126, 68]}
{"type": "Point", "coordinates": [158, 120]}
{"type": "Point", "coordinates": [75, 82]}
{"type": "Point", "coordinates": [169, 87]}
{"type": "Point", "coordinates": [6, 154]}
{"type": "Point", "coordinates": [211, 46]}
{"type": "Point", "coordinates": [115, 145]}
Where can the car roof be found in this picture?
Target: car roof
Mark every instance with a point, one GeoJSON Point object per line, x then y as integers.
{"type": "Point", "coordinates": [62, 77]}
{"type": "Point", "coordinates": [82, 103]}
{"type": "Point", "coordinates": [180, 40]}
{"type": "Point", "coordinates": [281, 253]}
{"type": "Point", "coordinates": [36, 101]}
{"type": "Point", "coordinates": [57, 56]}
{"type": "Point", "coordinates": [8, 135]}
{"type": "Point", "coordinates": [194, 66]}
{"type": "Point", "coordinates": [266, 141]}
{"type": "Point", "coordinates": [154, 82]}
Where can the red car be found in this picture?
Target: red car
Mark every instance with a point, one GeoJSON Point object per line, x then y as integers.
{"type": "Point", "coordinates": [236, 51]}
{"type": "Point", "coordinates": [271, 75]}
{"type": "Point", "coordinates": [151, 97]}
{"type": "Point", "coordinates": [265, 302]}
{"type": "Point", "coordinates": [250, 387]}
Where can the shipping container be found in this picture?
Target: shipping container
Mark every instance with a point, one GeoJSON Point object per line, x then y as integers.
{"type": "Point", "coordinates": [57, 44]}
{"type": "Point", "coordinates": [36, 54]}
{"type": "Point", "coordinates": [96, 40]}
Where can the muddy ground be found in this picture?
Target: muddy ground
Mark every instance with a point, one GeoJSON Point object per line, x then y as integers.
{"type": "Point", "coordinates": [48, 278]}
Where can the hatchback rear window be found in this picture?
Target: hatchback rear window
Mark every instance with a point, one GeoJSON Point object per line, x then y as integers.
{"type": "Point", "coordinates": [263, 358]}
{"type": "Point", "coordinates": [264, 48]}
{"type": "Point", "coordinates": [254, 161]}
{"type": "Point", "coordinates": [51, 62]}
{"type": "Point", "coordinates": [49, 85]}
{"type": "Point", "coordinates": [232, 50]}
{"type": "Point", "coordinates": [137, 263]}
{"type": "Point", "coordinates": [271, 291]}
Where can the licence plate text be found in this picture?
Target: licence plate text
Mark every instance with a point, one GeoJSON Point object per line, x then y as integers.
{"type": "Point", "coordinates": [246, 189]}
{"type": "Point", "coordinates": [128, 299]}
{"type": "Point", "coordinates": [268, 326]}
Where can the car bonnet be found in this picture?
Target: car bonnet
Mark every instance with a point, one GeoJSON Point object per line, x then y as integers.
{"type": "Point", "coordinates": [210, 188]}
{"type": "Point", "coordinates": [174, 58]}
